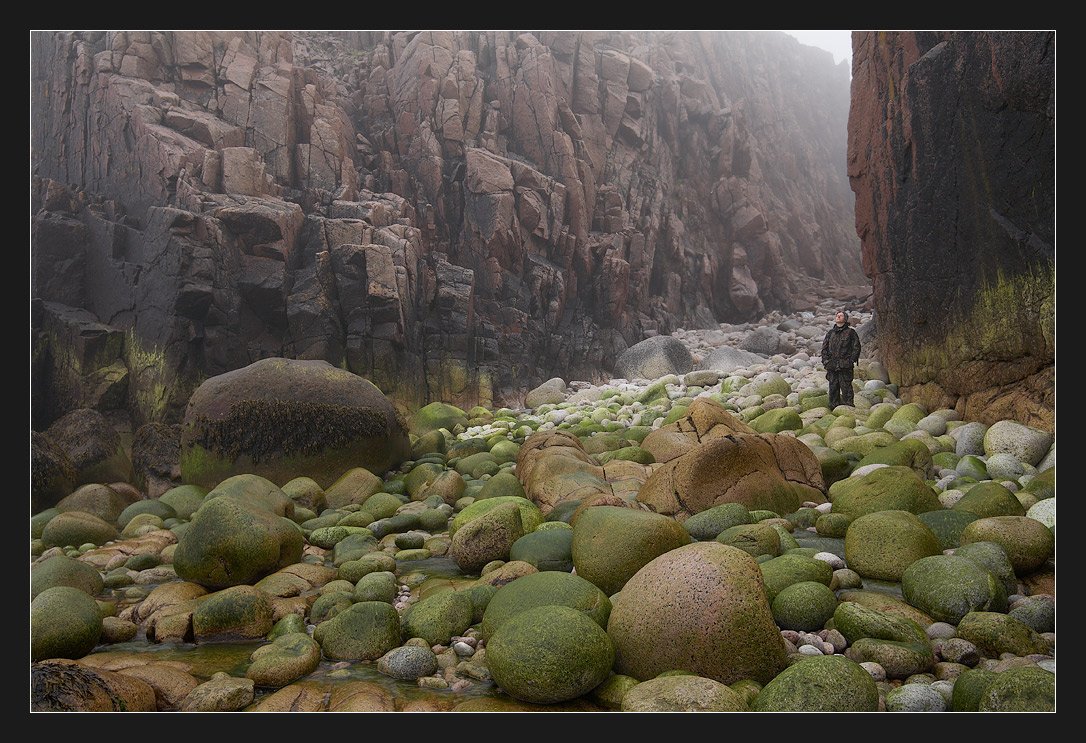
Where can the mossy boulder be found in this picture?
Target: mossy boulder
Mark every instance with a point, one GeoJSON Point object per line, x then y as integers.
{"type": "Point", "coordinates": [282, 418]}
{"type": "Point", "coordinates": [775, 421]}
{"type": "Point", "coordinates": [1037, 612]}
{"type": "Point", "coordinates": [439, 617]}
{"type": "Point", "coordinates": [229, 544]}
{"type": "Point", "coordinates": [787, 570]}
{"type": "Point", "coordinates": [287, 659]}
{"type": "Point", "coordinates": [610, 693]}
{"type": "Point", "coordinates": [835, 465]}
{"type": "Point", "coordinates": [92, 446]}
{"type": "Point", "coordinates": [969, 688]}
{"type": "Point", "coordinates": [64, 623]}
{"type": "Point", "coordinates": [100, 500]}
{"type": "Point", "coordinates": [151, 506]}
{"type": "Point", "coordinates": [61, 570]}
{"type": "Point", "coordinates": [820, 684]}
{"type": "Point", "coordinates": [355, 546]}
{"type": "Point", "coordinates": [684, 693]}
{"type": "Point", "coordinates": [610, 543]}
{"type": "Point", "coordinates": [76, 528]}
{"type": "Point", "coordinates": [305, 492]}
{"type": "Point", "coordinates": [754, 539]}
{"type": "Point", "coordinates": [862, 444]}
{"type": "Point", "coordinates": [449, 486]}
{"type": "Point", "coordinates": [1028, 543]}
{"type": "Point", "coordinates": [947, 587]}
{"type": "Point", "coordinates": [437, 415]}
{"type": "Point", "coordinates": [899, 659]}
{"type": "Point", "coordinates": [530, 515]}
{"type": "Point", "coordinates": [238, 612]}
{"type": "Point", "coordinates": [883, 544]}
{"type": "Point", "coordinates": [489, 537]}
{"type": "Point", "coordinates": [993, 558]}
{"type": "Point", "coordinates": [710, 523]}
{"type": "Point", "coordinates": [947, 525]}
{"type": "Point", "coordinates": [884, 489]}
{"type": "Point", "coordinates": [374, 562]}
{"type": "Point", "coordinates": [432, 442]}
{"type": "Point", "coordinates": [547, 549]}
{"type": "Point", "coordinates": [407, 663]}
{"type": "Point", "coordinates": [501, 485]}
{"type": "Point", "coordinates": [52, 474]}
{"type": "Point", "coordinates": [910, 412]}
{"type": "Point", "coordinates": [910, 453]}
{"type": "Point", "coordinates": [549, 654]}
{"type": "Point", "coordinates": [381, 506]}
{"type": "Point", "coordinates": [972, 466]}
{"type": "Point", "coordinates": [994, 633]}
{"type": "Point", "coordinates": [856, 621]}
{"type": "Point", "coordinates": [419, 478]}
{"type": "Point", "coordinates": [990, 499]}
{"type": "Point", "coordinates": [834, 525]}
{"type": "Point", "coordinates": [364, 631]}
{"type": "Point", "coordinates": [886, 604]}
{"type": "Point", "coordinates": [380, 585]}
{"type": "Point", "coordinates": [477, 465]}
{"type": "Point", "coordinates": [700, 608]}
{"type": "Point", "coordinates": [545, 589]}
{"type": "Point", "coordinates": [254, 492]}
{"type": "Point", "coordinates": [1019, 690]}
{"type": "Point", "coordinates": [804, 606]}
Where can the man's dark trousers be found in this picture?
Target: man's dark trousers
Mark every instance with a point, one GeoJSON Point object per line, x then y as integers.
{"type": "Point", "coordinates": [840, 386]}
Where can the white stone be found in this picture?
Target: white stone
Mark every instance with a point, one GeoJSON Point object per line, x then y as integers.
{"type": "Point", "coordinates": [1044, 511]}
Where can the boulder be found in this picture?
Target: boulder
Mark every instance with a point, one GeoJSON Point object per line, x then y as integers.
{"type": "Point", "coordinates": [804, 606]}
{"type": "Point", "coordinates": [437, 415]}
{"type": "Point", "coordinates": [440, 617]}
{"type": "Point", "coordinates": [1028, 689]}
{"type": "Point", "coordinates": [65, 686]}
{"type": "Point", "coordinates": [856, 621]}
{"type": "Point", "coordinates": [281, 419]}
{"type": "Point", "coordinates": [682, 694]}
{"type": "Point", "coordinates": [892, 488]}
{"type": "Point", "coordinates": [711, 522]}
{"type": "Point", "coordinates": [947, 587]}
{"type": "Point", "coordinates": [52, 474]}
{"type": "Point", "coordinates": [75, 528]}
{"type": "Point", "coordinates": [61, 570]}
{"type": "Point", "coordinates": [92, 446]}
{"type": "Point", "coordinates": [726, 359]}
{"type": "Point", "coordinates": [820, 684]}
{"type": "Point", "coordinates": [488, 537]}
{"type": "Point", "coordinates": [551, 392]}
{"type": "Point", "coordinates": [64, 623]}
{"type": "Point", "coordinates": [787, 570]}
{"type": "Point", "coordinates": [364, 631]}
{"type": "Point", "coordinates": [990, 499]}
{"type": "Point", "coordinates": [239, 612]}
{"type": "Point", "coordinates": [653, 358]}
{"type": "Point", "coordinates": [883, 544]}
{"type": "Point", "coordinates": [288, 658]}
{"type": "Point", "coordinates": [100, 500]}
{"type": "Point", "coordinates": [1024, 443]}
{"type": "Point", "coordinates": [611, 544]}
{"type": "Point", "coordinates": [547, 549]}
{"type": "Point", "coordinates": [545, 589]}
{"type": "Point", "coordinates": [1028, 543]}
{"type": "Point", "coordinates": [994, 633]}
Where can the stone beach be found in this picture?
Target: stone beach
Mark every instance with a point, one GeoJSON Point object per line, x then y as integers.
{"type": "Point", "coordinates": [704, 534]}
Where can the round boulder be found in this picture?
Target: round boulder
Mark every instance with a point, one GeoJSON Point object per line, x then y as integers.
{"type": "Point", "coordinates": [830, 683]}
{"type": "Point", "coordinates": [547, 549]}
{"type": "Point", "coordinates": [990, 499]}
{"type": "Point", "coordinates": [947, 587]}
{"type": "Point", "coordinates": [281, 419]}
{"type": "Point", "coordinates": [1028, 543]}
{"type": "Point", "coordinates": [1020, 690]}
{"type": "Point", "coordinates": [1022, 442]}
{"type": "Point", "coordinates": [439, 617]}
{"type": "Point", "coordinates": [64, 623]}
{"type": "Point", "coordinates": [700, 608]}
{"type": "Point", "coordinates": [241, 611]}
{"type": "Point", "coordinates": [61, 570]}
{"type": "Point", "coordinates": [682, 694]}
{"type": "Point", "coordinates": [653, 358]}
{"type": "Point", "coordinates": [804, 607]}
{"type": "Point", "coordinates": [883, 544]}
{"type": "Point", "coordinates": [290, 657]}
{"type": "Point", "coordinates": [610, 543]}
{"type": "Point", "coordinates": [76, 528]}
{"type": "Point", "coordinates": [894, 488]}
{"type": "Point", "coordinates": [364, 631]}
{"type": "Point", "coordinates": [547, 588]}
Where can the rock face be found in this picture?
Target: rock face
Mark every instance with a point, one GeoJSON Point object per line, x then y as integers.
{"type": "Point", "coordinates": [453, 215]}
{"type": "Point", "coordinates": [952, 157]}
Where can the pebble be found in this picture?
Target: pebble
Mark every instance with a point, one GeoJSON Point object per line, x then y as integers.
{"type": "Point", "coordinates": [941, 630]}
{"type": "Point", "coordinates": [915, 698]}
{"type": "Point", "coordinates": [877, 671]}
{"type": "Point", "coordinates": [810, 650]}
{"type": "Point", "coordinates": [831, 559]}
{"type": "Point", "coordinates": [463, 649]}
{"type": "Point", "coordinates": [433, 682]}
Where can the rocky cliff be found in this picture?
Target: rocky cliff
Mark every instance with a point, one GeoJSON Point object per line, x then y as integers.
{"type": "Point", "coordinates": [454, 215]}
{"type": "Point", "coordinates": [951, 152]}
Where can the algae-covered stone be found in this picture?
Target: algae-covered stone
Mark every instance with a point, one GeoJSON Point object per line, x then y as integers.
{"type": "Point", "coordinates": [1019, 690]}
{"type": "Point", "coordinates": [287, 625]}
{"type": "Point", "coordinates": [787, 570]}
{"type": "Point", "coordinates": [377, 586]}
{"type": "Point", "coordinates": [804, 606]}
{"type": "Point", "coordinates": [915, 698]}
{"type": "Point", "coordinates": [287, 659]}
{"type": "Point", "coordinates": [77, 527]}
{"type": "Point", "coordinates": [683, 694]}
{"type": "Point", "coordinates": [775, 421]}
{"type": "Point", "coordinates": [547, 549]}
{"type": "Point", "coordinates": [437, 415]}
{"type": "Point", "coordinates": [700, 608]}
{"type": "Point", "coordinates": [449, 486]}
{"type": "Point", "coordinates": [856, 621]}
{"type": "Point", "coordinates": [835, 466]}
{"type": "Point", "coordinates": [883, 489]}
{"type": "Point", "coordinates": [152, 506]}
{"type": "Point", "coordinates": [820, 684]}
{"type": "Point", "coordinates": [489, 537]}
{"type": "Point", "coordinates": [503, 484]}
{"type": "Point", "coordinates": [994, 633]}
{"type": "Point", "coordinates": [241, 611]}
{"type": "Point", "coordinates": [439, 618]}
{"type": "Point", "coordinates": [610, 543]}
{"type": "Point", "coordinates": [754, 539]}
{"type": "Point", "coordinates": [1022, 442]}
{"type": "Point", "coordinates": [993, 558]}
{"type": "Point", "coordinates": [627, 454]}
{"type": "Point", "coordinates": [354, 547]}
{"type": "Point", "coordinates": [653, 358]}
{"type": "Point", "coordinates": [184, 499]}
{"type": "Point", "coordinates": [947, 525]}
{"type": "Point", "coordinates": [883, 544]}
{"type": "Point", "coordinates": [545, 589]}
{"type": "Point", "coordinates": [530, 515]}
{"type": "Point", "coordinates": [710, 523]}
{"type": "Point", "coordinates": [887, 604]}
{"type": "Point", "coordinates": [990, 499]}
{"type": "Point", "coordinates": [329, 604]}
{"type": "Point", "coordinates": [611, 692]}
{"type": "Point", "coordinates": [947, 587]}
{"type": "Point", "coordinates": [229, 544]}
{"type": "Point", "coordinates": [549, 654]}
{"type": "Point", "coordinates": [481, 595]}
{"type": "Point", "coordinates": [1037, 612]}
{"type": "Point", "coordinates": [61, 570]}
{"type": "Point", "coordinates": [969, 688]}
{"type": "Point", "coordinates": [833, 525]}
{"type": "Point", "coordinates": [899, 659]}
{"type": "Point", "coordinates": [353, 570]}
{"type": "Point", "coordinates": [1027, 542]}
{"type": "Point", "coordinates": [365, 631]}
{"type": "Point", "coordinates": [64, 623]}
{"type": "Point", "coordinates": [407, 663]}
{"type": "Point", "coordinates": [911, 453]}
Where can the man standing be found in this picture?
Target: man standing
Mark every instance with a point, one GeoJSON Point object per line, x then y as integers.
{"type": "Point", "coordinates": [840, 352]}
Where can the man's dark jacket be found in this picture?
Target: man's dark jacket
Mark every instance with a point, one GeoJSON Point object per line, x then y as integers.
{"type": "Point", "coordinates": [841, 348]}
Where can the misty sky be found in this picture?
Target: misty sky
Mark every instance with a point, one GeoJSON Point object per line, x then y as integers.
{"type": "Point", "coordinates": [839, 43]}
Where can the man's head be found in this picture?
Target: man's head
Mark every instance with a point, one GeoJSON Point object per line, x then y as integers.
{"type": "Point", "coordinates": [841, 318]}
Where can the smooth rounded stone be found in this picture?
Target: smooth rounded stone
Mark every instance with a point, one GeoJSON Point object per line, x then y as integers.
{"type": "Point", "coordinates": [551, 392]}
{"type": "Point", "coordinates": [941, 631]}
{"type": "Point", "coordinates": [820, 684]}
{"type": "Point", "coordinates": [805, 606]}
{"type": "Point", "coordinates": [288, 658]}
{"type": "Point", "coordinates": [884, 544]}
{"type": "Point", "coordinates": [710, 523]}
{"type": "Point", "coordinates": [1004, 467]}
{"type": "Point", "coordinates": [834, 561]}
{"type": "Point", "coordinates": [77, 527]}
{"type": "Point", "coordinates": [915, 698]}
{"type": "Point", "coordinates": [933, 424]}
{"type": "Point", "coordinates": [439, 617]}
{"type": "Point", "coordinates": [884, 489]}
{"type": "Point", "coordinates": [380, 506]}
{"type": "Point", "coordinates": [364, 631]}
{"type": "Point", "coordinates": [61, 570]}
{"type": "Point", "coordinates": [874, 670]}
{"type": "Point", "coordinates": [833, 525]}
{"type": "Point", "coordinates": [969, 438]}
{"type": "Point", "coordinates": [99, 500]}
{"type": "Point", "coordinates": [682, 694]}
{"type": "Point", "coordinates": [376, 586]}
{"type": "Point", "coordinates": [184, 500]}
{"type": "Point", "coordinates": [1037, 612]}
{"type": "Point", "coordinates": [64, 623]}
{"type": "Point", "coordinates": [994, 633]}
{"type": "Point", "coordinates": [990, 499]}
{"type": "Point", "coordinates": [488, 537]}
{"type": "Point", "coordinates": [435, 416]}
{"type": "Point", "coordinates": [844, 579]}
{"type": "Point", "coordinates": [357, 545]}
{"type": "Point", "coordinates": [611, 692]}
{"type": "Point", "coordinates": [786, 570]}
{"type": "Point", "coordinates": [754, 539]}
{"type": "Point", "coordinates": [408, 663]}
{"type": "Point", "coordinates": [777, 420]}
{"type": "Point", "coordinates": [411, 540]}
{"type": "Point", "coordinates": [855, 622]}
{"type": "Point", "coordinates": [899, 659]}
{"type": "Point", "coordinates": [549, 654]}
{"type": "Point", "coordinates": [222, 693]}
{"type": "Point", "coordinates": [116, 630]}
{"type": "Point", "coordinates": [992, 558]}
{"type": "Point", "coordinates": [1044, 511]}
{"type": "Point", "coordinates": [959, 650]}
{"type": "Point", "coordinates": [610, 544]}
{"type": "Point", "coordinates": [948, 525]}
{"type": "Point", "coordinates": [154, 507]}
{"type": "Point", "coordinates": [706, 378]}
{"type": "Point", "coordinates": [949, 498]}
{"type": "Point", "coordinates": [288, 624]}
{"type": "Point", "coordinates": [141, 524]}
{"type": "Point", "coordinates": [530, 515]}
{"type": "Point", "coordinates": [1027, 542]}
{"type": "Point", "coordinates": [727, 359]}
{"type": "Point", "coordinates": [353, 570]}
{"type": "Point", "coordinates": [1025, 444]}
{"type": "Point", "coordinates": [653, 358]}
{"type": "Point", "coordinates": [503, 484]}
{"type": "Point", "coordinates": [240, 611]}
{"type": "Point", "coordinates": [1020, 690]}
{"type": "Point", "coordinates": [548, 588]}
{"type": "Point", "coordinates": [546, 549]}
{"type": "Point", "coordinates": [947, 587]}
{"type": "Point", "coordinates": [700, 608]}
{"type": "Point", "coordinates": [413, 554]}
